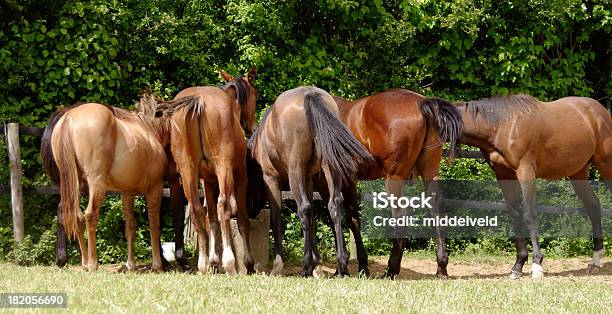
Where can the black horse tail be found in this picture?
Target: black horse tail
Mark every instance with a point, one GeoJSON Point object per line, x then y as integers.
{"type": "Point", "coordinates": [445, 119]}
{"type": "Point", "coordinates": [336, 145]}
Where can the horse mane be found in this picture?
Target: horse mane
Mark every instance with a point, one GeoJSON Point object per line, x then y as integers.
{"type": "Point", "coordinates": [242, 90]}
{"type": "Point", "coordinates": [499, 109]}
{"type": "Point", "coordinates": [146, 110]}
{"type": "Point", "coordinates": [254, 139]}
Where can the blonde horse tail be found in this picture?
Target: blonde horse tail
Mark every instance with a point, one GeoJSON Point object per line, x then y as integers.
{"type": "Point", "coordinates": [69, 180]}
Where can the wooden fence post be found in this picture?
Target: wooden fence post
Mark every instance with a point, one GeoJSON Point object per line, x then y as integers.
{"type": "Point", "coordinates": [12, 137]}
{"type": "Point", "coordinates": [352, 246]}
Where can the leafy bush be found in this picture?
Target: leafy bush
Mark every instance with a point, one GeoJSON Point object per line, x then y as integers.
{"type": "Point", "coordinates": [57, 52]}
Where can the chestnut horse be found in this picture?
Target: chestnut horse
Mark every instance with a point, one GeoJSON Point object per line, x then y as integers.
{"type": "Point", "coordinates": [300, 136]}
{"type": "Point", "coordinates": [177, 198]}
{"type": "Point", "coordinates": [208, 141]}
{"type": "Point", "coordinates": [106, 149]}
{"type": "Point", "coordinates": [523, 139]}
{"type": "Point", "coordinates": [404, 132]}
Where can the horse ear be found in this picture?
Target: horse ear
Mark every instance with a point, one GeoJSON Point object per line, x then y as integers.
{"type": "Point", "coordinates": [252, 74]}
{"type": "Point", "coordinates": [225, 76]}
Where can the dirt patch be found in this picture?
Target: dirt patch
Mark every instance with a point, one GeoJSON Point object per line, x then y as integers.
{"type": "Point", "coordinates": [474, 268]}
{"type": "Point", "coordinates": [420, 268]}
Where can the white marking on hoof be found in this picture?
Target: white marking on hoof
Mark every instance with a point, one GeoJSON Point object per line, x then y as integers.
{"type": "Point", "coordinates": [537, 272]}
{"type": "Point", "coordinates": [203, 265]}
{"type": "Point", "coordinates": [597, 259]}
{"type": "Point", "coordinates": [229, 262]}
{"type": "Point", "coordinates": [318, 272]}
{"type": "Point", "coordinates": [212, 249]}
{"type": "Point", "coordinates": [515, 274]}
{"type": "Point", "coordinates": [277, 266]}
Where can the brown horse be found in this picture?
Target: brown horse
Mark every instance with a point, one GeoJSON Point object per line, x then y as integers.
{"type": "Point", "coordinates": [404, 131]}
{"type": "Point", "coordinates": [177, 198]}
{"type": "Point", "coordinates": [299, 136]}
{"type": "Point", "coordinates": [523, 139]}
{"type": "Point", "coordinates": [208, 142]}
{"type": "Point", "coordinates": [106, 149]}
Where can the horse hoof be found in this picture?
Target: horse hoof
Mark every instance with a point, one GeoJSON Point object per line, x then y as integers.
{"type": "Point", "coordinates": [277, 266]}
{"type": "Point", "coordinates": [515, 274]}
{"type": "Point", "coordinates": [185, 267]}
{"type": "Point", "coordinates": [203, 268]}
{"type": "Point", "coordinates": [593, 269]}
{"type": "Point", "coordinates": [305, 274]}
{"type": "Point", "coordinates": [364, 273]}
{"type": "Point", "coordinates": [318, 272]}
{"type": "Point", "coordinates": [537, 272]}
{"type": "Point", "coordinates": [441, 275]}
{"type": "Point", "coordinates": [389, 275]}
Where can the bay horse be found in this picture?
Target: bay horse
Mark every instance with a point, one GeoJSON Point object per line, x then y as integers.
{"type": "Point", "coordinates": [404, 131]}
{"type": "Point", "coordinates": [208, 141]}
{"type": "Point", "coordinates": [106, 149]}
{"type": "Point", "coordinates": [522, 139]}
{"type": "Point", "coordinates": [299, 136]}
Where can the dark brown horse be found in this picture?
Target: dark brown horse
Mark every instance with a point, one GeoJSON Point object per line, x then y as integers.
{"type": "Point", "coordinates": [208, 142]}
{"type": "Point", "coordinates": [523, 139]}
{"type": "Point", "coordinates": [93, 144]}
{"type": "Point", "coordinates": [300, 136]}
{"type": "Point", "coordinates": [404, 131]}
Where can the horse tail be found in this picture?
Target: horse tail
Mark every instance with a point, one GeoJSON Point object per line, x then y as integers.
{"type": "Point", "coordinates": [337, 146]}
{"type": "Point", "coordinates": [445, 119]}
{"type": "Point", "coordinates": [68, 180]}
{"type": "Point", "coordinates": [46, 150]}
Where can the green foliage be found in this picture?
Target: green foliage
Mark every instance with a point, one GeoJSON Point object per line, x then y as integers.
{"type": "Point", "coordinates": [27, 253]}
{"type": "Point", "coordinates": [58, 52]}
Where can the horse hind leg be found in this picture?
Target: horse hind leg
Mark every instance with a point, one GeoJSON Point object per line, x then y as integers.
{"type": "Point", "coordinates": [593, 209]}
{"type": "Point", "coordinates": [274, 195]}
{"type": "Point", "coordinates": [211, 191]}
{"type": "Point", "coordinates": [153, 205]}
{"type": "Point", "coordinates": [334, 186]}
{"type": "Point", "coordinates": [305, 214]}
{"type": "Point", "coordinates": [92, 214]}
{"type": "Point", "coordinates": [316, 256]}
{"type": "Point", "coordinates": [226, 202]}
{"type": "Point", "coordinates": [61, 250]}
{"type": "Point", "coordinates": [512, 194]}
{"type": "Point", "coordinates": [177, 205]}
{"type": "Point", "coordinates": [244, 224]}
{"type": "Point", "coordinates": [526, 176]}
{"type": "Point", "coordinates": [81, 239]}
{"type": "Point", "coordinates": [127, 201]}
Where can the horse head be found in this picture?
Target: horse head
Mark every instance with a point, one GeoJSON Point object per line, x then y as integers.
{"type": "Point", "coordinates": [246, 97]}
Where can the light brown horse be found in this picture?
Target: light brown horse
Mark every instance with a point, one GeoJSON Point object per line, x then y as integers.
{"type": "Point", "coordinates": [300, 136]}
{"type": "Point", "coordinates": [110, 150]}
{"type": "Point", "coordinates": [404, 131]}
{"type": "Point", "coordinates": [208, 141]}
{"type": "Point", "coordinates": [523, 139]}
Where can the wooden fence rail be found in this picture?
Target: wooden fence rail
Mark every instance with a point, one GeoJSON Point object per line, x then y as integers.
{"type": "Point", "coordinates": [12, 131]}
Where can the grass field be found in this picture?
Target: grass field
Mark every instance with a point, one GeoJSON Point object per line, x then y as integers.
{"type": "Point", "coordinates": [477, 284]}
